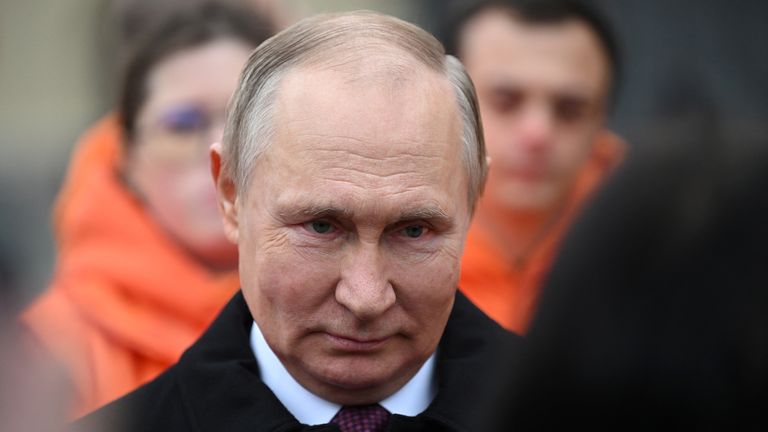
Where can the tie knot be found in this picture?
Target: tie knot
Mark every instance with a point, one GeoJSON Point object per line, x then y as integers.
{"type": "Point", "coordinates": [361, 418]}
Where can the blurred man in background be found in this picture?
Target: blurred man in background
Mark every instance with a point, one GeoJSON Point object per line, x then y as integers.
{"type": "Point", "coordinates": [544, 73]}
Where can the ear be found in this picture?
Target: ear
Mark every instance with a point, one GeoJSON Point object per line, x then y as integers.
{"type": "Point", "coordinates": [610, 148]}
{"type": "Point", "coordinates": [226, 192]}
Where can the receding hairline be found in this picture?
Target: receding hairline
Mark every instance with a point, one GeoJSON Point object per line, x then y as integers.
{"type": "Point", "coordinates": [339, 36]}
{"type": "Point", "coordinates": [414, 75]}
{"type": "Point", "coordinates": [373, 38]}
{"type": "Point", "coordinates": [372, 63]}
{"type": "Point", "coordinates": [399, 61]}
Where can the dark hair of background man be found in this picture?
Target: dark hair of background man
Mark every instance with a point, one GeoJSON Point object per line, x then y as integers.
{"type": "Point", "coordinates": [535, 12]}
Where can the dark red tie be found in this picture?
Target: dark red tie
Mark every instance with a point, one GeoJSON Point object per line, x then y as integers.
{"type": "Point", "coordinates": [361, 418]}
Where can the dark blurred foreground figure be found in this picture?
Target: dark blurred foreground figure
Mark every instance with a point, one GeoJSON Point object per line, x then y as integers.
{"type": "Point", "coordinates": [656, 312]}
{"type": "Point", "coordinates": [143, 264]}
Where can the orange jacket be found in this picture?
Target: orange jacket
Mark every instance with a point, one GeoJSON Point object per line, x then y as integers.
{"type": "Point", "coordinates": [125, 301]}
{"type": "Point", "coordinates": [508, 291]}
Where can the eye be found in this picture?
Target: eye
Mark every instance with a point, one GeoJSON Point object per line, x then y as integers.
{"type": "Point", "coordinates": [320, 227]}
{"type": "Point", "coordinates": [413, 231]}
{"type": "Point", "coordinates": [506, 100]}
{"type": "Point", "coordinates": [570, 109]}
{"type": "Point", "coordinates": [185, 120]}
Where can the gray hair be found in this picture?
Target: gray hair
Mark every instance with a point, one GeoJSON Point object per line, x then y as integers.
{"type": "Point", "coordinates": [249, 127]}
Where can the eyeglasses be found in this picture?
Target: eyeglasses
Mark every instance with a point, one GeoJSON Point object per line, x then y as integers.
{"type": "Point", "coordinates": [185, 120]}
{"type": "Point", "coordinates": [182, 132]}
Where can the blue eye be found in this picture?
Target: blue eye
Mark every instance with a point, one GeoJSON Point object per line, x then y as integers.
{"type": "Point", "coordinates": [321, 227]}
{"type": "Point", "coordinates": [414, 231]}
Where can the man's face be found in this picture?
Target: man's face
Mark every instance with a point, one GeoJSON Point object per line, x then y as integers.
{"type": "Point", "coordinates": [542, 90]}
{"type": "Point", "coordinates": [352, 228]}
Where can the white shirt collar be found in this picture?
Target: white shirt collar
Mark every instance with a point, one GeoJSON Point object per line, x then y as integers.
{"type": "Point", "coordinates": [412, 399]}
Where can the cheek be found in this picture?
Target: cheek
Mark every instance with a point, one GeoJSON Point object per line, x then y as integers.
{"type": "Point", "coordinates": [426, 290]}
{"type": "Point", "coordinates": [195, 181]}
{"type": "Point", "coordinates": [188, 196]}
{"type": "Point", "coordinates": [161, 188]}
{"type": "Point", "coordinates": [286, 286]}
{"type": "Point", "coordinates": [504, 150]}
{"type": "Point", "coordinates": [294, 287]}
{"type": "Point", "coordinates": [497, 138]}
{"type": "Point", "coordinates": [156, 173]}
{"type": "Point", "coordinates": [572, 152]}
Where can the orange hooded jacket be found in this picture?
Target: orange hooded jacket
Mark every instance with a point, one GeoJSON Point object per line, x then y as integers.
{"type": "Point", "coordinates": [508, 291]}
{"type": "Point", "coordinates": [125, 301]}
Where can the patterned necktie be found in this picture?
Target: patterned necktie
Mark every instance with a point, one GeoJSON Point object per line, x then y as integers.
{"type": "Point", "coordinates": [361, 418]}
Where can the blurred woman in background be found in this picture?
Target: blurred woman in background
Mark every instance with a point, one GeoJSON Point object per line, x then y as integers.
{"type": "Point", "coordinates": [143, 265]}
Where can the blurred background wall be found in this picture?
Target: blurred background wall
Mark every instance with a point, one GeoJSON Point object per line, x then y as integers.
{"type": "Point", "coordinates": [686, 56]}
{"type": "Point", "coordinates": [52, 85]}
{"type": "Point", "coordinates": [57, 76]}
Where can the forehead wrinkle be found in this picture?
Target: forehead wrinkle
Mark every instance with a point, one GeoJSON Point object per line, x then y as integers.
{"type": "Point", "coordinates": [375, 155]}
{"type": "Point", "coordinates": [372, 161]}
{"type": "Point", "coordinates": [391, 146]}
{"type": "Point", "coordinates": [396, 174]}
{"type": "Point", "coordinates": [331, 144]}
{"type": "Point", "coordinates": [298, 110]}
{"type": "Point", "coordinates": [317, 209]}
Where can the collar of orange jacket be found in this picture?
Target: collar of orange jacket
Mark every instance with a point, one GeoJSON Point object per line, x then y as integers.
{"type": "Point", "coordinates": [146, 291]}
{"type": "Point", "coordinates": [508, 291]}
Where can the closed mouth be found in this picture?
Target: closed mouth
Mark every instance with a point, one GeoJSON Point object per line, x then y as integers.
{"type": "Point", "coordinates": [349, 343]}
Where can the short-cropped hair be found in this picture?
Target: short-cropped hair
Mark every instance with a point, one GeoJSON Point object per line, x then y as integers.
{"type": "Point", "coordinates": [537, 12]}
{"type": "Point", "coordinates": [249, 128]}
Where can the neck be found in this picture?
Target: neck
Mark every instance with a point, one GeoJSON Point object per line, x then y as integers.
{"type": "Point", "coordinates": [518, 232]}
{"type": "Point", "coordinates": [223, 260]}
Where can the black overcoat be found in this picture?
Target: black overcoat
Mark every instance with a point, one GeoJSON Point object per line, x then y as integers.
{"type": "Point", "coordinates": [216, 385]}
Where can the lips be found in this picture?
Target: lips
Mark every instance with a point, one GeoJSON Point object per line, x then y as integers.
{"type": "Point", "coordinates": [352, 344]}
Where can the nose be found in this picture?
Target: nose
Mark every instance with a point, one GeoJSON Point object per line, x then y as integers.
{"type": "Point", "coordinates": [364, 288]}
{"type": "Point", "coordinates": [536, 128]}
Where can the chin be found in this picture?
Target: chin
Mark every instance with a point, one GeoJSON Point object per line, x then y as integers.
{"type": "Point", "coordinates": [218, 253]}
{"type": "Point", "coordinates": [357, 374]}
{"type": "Point", "coordinates": [358, 382]}
{"type": "Point", "coordinates": [526, 198]}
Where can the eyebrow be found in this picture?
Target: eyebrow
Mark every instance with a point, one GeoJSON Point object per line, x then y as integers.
{"type": "Point", "coordinates": [508, 87]}
{"type": "Point", "coordinates": [428, 213]}
{"type": "Point", "coordinates": [431, 213]}
{"type": "Point", "coordinates": [315, 212]}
